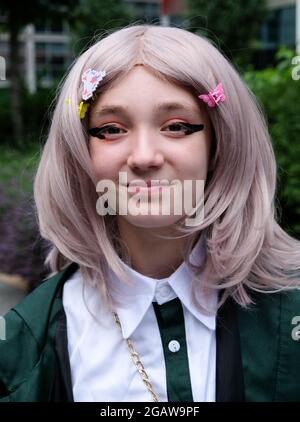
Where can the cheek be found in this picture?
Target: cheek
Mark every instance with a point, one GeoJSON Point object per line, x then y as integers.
{"type": "Point", "coordinates": [106, 162]}
{"type": "Point", "coordinates": [193, 162]}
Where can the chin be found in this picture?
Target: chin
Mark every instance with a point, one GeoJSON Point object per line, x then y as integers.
{"type": "Point", "coordinates": [151, 221]}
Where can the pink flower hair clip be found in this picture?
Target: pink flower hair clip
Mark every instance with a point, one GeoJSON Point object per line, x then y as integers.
{"type": "Point", "coordinates": [214, 97]}
{"type": "Point", "coordinates": [90, 79]}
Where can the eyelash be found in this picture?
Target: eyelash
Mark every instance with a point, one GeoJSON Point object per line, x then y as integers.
{"type": "Point", "coordinates": [189, 129]}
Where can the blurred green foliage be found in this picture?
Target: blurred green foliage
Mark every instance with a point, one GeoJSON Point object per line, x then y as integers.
{"type": "Point", "coordinates": [92, 18]}
{"type": "Point", "coordinates": [22, 250]}
{"type": "Point", "coordinates": [36, 113]}
{"type": "Point", "coordinates": [279, 95]}
{"type": "Point", "coordinates": [233, 25]}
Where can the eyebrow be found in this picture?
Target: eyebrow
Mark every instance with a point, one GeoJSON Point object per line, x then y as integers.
{"type": "Point", "coordinates": [160, 107]}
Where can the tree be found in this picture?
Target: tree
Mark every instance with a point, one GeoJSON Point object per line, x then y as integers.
{"type": "Point", "coordinates": [94, 16]}
{"type": "Point", "coordinates": [18, 15]}
{"type": "Point", "coordinates": [232, 24]}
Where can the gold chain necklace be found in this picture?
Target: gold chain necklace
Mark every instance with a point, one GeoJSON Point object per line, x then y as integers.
{"type": "Point", "coordinates": [138, 363]}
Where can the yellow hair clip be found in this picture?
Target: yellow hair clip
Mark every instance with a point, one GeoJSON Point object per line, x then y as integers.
{"type": "Point", "coordinates": [83, 108]}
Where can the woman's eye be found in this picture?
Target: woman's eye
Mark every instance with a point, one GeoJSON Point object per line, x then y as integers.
{"type": "Point", "coordinates": [185, 128]}
{"type": "Point", "coordinates": [178, 127]}
{"type": "Point", "coordinates": [102, 132]}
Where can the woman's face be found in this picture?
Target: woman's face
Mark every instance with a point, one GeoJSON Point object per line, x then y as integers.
{"type": "Point", "coordinates": [145, 141]}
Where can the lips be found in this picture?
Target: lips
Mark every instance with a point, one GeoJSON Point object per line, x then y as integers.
{"type": "Point", "coordinates": [148, 183]}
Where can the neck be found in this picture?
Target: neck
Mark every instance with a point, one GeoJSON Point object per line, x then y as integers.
{"type": "Point", "coordinates": [150, 254]}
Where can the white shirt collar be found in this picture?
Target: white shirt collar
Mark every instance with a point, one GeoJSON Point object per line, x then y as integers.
{"type": "Point", "coordinates": [137, 298]}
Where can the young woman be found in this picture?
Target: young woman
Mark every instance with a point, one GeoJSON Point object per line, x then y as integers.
{"type": "Point", "coordinates": [200, 304]}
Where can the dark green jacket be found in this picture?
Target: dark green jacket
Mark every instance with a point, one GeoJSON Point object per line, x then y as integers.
{"type": "Point", "coordinates": [258, 358]}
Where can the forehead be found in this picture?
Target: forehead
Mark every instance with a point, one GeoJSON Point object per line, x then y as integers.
{"type": "Point", "coordinates": [158, 108]}
{"type": "Point", "coordinates": [140, 89]}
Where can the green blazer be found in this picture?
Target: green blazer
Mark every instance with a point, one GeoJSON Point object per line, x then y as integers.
{"type": "Point", "coordinates": [258, 349]}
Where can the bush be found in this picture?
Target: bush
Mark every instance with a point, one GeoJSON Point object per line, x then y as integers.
{"type": "Point", "coordinates": [22, 251]}
{"type": "Point", "coordinates": [279, 94]}
{"type": "Point", "coordinates": [35, 111]}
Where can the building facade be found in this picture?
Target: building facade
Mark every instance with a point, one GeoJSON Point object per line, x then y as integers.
{"type": "Point", "coordinates": [45, 51]}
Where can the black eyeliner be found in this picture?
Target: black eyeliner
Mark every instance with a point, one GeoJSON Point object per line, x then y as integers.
{"type": "Point", "coordinates": [192, 128]}
{"type": "Point", "coordinates": [95, 131]}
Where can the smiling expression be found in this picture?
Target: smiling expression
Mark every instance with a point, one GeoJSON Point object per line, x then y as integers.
{"type": "Point", "coordinates": [149, 129]}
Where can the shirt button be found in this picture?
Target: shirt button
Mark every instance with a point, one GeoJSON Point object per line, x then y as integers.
{"type": "Point", "coordinates": [174, 346]}
{"type": "Point", "coordinates": [165, 291]}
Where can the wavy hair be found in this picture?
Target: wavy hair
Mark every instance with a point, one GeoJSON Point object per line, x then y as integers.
{"type": "Point", "coordinates": [246, 249]}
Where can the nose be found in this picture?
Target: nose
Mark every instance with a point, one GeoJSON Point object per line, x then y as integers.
{"type": "Point", "coordinates": [145, 152]}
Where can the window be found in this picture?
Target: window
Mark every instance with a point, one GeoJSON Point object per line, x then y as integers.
{"type": "Point", "coordinates": [279, 28]}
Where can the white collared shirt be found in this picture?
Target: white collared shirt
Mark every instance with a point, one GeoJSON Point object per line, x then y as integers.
{"type": "Point", "coordinates": [101, 365]}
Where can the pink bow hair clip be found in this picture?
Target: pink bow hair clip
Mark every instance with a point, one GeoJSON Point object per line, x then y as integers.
{"type": "Point", "coordinates": [214, 97]}
{"type": "Point", "coordinates": [90, 79]}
